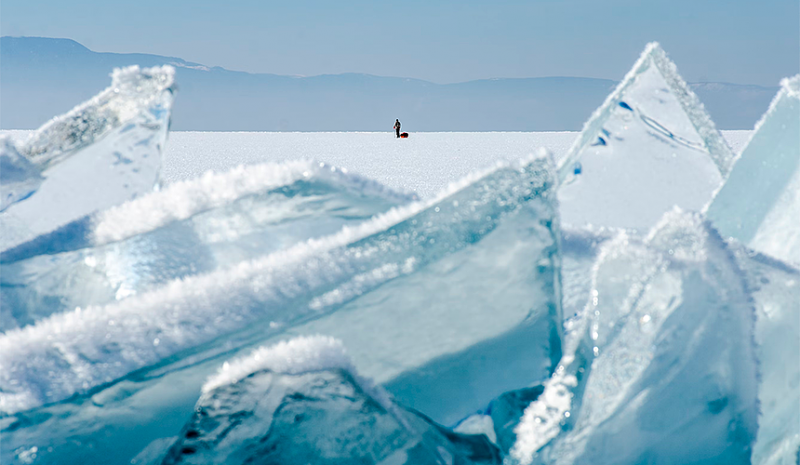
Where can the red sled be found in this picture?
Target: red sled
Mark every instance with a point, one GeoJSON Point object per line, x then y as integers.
{"type": "Point", "coordinates": [404, 135]}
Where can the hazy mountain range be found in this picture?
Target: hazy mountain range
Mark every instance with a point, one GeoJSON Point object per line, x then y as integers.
{"type": "Point", "coordinates": [42, 77]}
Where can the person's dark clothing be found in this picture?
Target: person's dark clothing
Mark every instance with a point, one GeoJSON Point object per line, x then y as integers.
{"type": "Point", "coordinates": [397, 128]}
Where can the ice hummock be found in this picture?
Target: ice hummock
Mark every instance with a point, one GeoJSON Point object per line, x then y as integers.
{"type": "Point", "coordinates": [495, 233]}
{"type": "Point", "coordinates": [759, 204]}
{"type": "Point", "coordinates": [186, 228]}
{"type": "Point", "coordinates": [653, 137]}
{"type": "Point", "coordinates": [102, 153]}
{"type": "Point", "coordinates": [302, 401]}
{"type": "Point", "coordinates": [670, 374]}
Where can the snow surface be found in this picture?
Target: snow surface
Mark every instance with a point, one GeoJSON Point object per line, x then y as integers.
{"type": "Point", "coordinates": [424, 163]}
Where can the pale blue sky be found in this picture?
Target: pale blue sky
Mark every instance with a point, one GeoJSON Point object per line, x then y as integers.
{"type": "Point", "coordinates": [746, 42]}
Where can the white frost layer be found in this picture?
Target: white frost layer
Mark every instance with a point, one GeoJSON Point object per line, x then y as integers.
{"type": "Point", "coordinates": [299, 355]}
{"type": "Point", "coordinates": [184, 199]}
{"type": "Point", "coordinates": [74, 351]}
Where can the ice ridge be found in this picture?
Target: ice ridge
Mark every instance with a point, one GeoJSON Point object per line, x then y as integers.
{"type": "Point", "coordinates": [75, 351]}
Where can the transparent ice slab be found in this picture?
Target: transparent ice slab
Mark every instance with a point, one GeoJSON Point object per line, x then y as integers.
{"type": "Point", "coordinates": [649, 147]}
{"type": "Point", "coordinates": [187, 228]}
{"type": "Point", "coordinates": [759, 205]}
{"type": "Point", "coordinates": [102, 153]}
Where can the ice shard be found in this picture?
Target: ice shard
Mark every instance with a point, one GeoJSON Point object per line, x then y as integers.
{"type": "Point", "coordinates": [102, 153]}
{"type": "Point", "coordinates": [759, 204]}
{"type": "Point", "coordinates": [649, 147]}
{"type": "Point", "coordinates": [302, 401]}
{"type": "Point", "coordinates": [186, 228]}
{"type": "Point", "coordinates": [447, 303]}
{"type": "Point", "coordinates": [671, 374]}
{"type": "Point", "coordinates": [775, 289]}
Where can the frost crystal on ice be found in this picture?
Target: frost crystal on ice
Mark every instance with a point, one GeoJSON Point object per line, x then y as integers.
{"type": "Point", "coordinates": [102, 153]}
{"type": "Point", "coordinates": [189, 227]}
{"type": "Point", "coordinates": [302, 402]}
{"type": "Point", "coordinates": [671, 374]}
{"type": "Point", "coordinates": [650, 146]}
{"type": "Point", "coordinates": [759, 204]}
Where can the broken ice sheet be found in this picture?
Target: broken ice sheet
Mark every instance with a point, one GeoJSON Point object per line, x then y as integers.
{"type": "Point", "coordinates": [103, 152]}
{"type": "Point", "coordinates": [672, 377]}
{"type": "Point", "coordinates": [649, 147]}
{"type": "Point", "coordinates": [759, 205]}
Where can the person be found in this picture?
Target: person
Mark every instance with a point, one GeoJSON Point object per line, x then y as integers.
{"type": "Point", "coordinates": [397, 127]}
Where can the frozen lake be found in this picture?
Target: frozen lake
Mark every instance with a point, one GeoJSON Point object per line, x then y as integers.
{"type": "Point", "coordinates": [424, 163]}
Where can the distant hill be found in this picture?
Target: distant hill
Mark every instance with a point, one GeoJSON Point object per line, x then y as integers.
{"type": "Point", "coordinates": [42, 77]}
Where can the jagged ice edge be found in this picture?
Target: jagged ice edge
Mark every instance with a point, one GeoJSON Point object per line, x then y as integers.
{"type": "Point", "coordinates": [43, 150]}
{"type": "Point", "coordinates": [688, 100]}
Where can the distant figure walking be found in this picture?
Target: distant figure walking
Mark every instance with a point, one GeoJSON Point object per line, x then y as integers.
{"type": "Point", "coordinates": [397, 127]}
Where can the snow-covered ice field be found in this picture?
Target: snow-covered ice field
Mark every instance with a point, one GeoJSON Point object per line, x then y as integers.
{"type": "Point", "coordinates": [424, 163]}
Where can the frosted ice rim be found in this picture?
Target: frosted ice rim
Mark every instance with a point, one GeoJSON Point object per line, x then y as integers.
{"type": "Point", "coordinates": [184, 199]}
{"type": "Point", "coordinates": [132, 90]}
